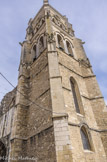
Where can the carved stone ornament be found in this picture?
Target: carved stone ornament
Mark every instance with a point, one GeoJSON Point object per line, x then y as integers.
{"type": "Point", "coordinates": [39, 24]}
{"type": "Point", "coordinates": [66, 27]}
{"type": "Point", "coordinates": [33, 30]}
{"type": "Point", "coordinates": [30, 30]}
{"type": "Point", "coordinates": [85, 63]}
{"type": "Point", "coordinates": [50, 38]}
{"type": "Point", "coordinates": [58, 22]}
{"type": "Point", "coordinates": [30, 27]}
{"type": "Point", "coordinates": [70, 30]}
{"type": "Point", "coordinates": [48, 14]}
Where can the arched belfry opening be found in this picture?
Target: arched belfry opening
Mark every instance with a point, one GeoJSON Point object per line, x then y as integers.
{"type": "Point", "coordinates": [69, 49]}
{"type": "Point", "coordinates": [2, 152]}
{"type": "Point", "coordinates": [60, 42]}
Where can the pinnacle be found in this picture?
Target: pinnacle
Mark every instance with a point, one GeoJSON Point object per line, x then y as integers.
{"type": "Point", "coordinates": [46, 2]}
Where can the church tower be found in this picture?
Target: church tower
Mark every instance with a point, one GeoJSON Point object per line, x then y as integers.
{"type": "Point", "coordinates": [59, 114]}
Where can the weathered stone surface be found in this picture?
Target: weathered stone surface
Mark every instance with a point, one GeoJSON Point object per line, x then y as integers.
{"type": "Point", "coordinates": [38, 120]}
{"type": "Point", "coordinates": [8, 102]}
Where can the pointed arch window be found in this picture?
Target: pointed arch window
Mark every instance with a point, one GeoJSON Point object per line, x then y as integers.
{"type": "Point", "coordinates": [85, 139]}
{"type": "Point", "coordinates": [60, 42]}
{"type": "Point", "coordinates": [76, 96]}
{"type": "Point", "coordinates": [69, 49]}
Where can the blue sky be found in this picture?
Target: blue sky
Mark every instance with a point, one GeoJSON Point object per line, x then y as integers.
{"type": "Point", "coordinates": [89, 19]}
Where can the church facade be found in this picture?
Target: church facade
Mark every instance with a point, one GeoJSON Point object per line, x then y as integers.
{"type": "Point", "coordinates": [57, 112]}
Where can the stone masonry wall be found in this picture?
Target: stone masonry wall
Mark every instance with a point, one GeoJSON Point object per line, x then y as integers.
{"type": "Point", "coordinates": [6, 118]}
{"type": "Point", "coordinates": [8, 101]}
{"type": "Point", "coordinates": [40, 143]}
{"type": "Point", "coordinates": [70, 67]}
{"type": "Point", "coordinates": [42, 146]}
{"type": "Point", "coordinates": [99, 108]}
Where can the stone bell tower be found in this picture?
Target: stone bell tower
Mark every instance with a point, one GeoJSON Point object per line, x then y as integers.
{"type": "Point", "coordinates": [59, 110]}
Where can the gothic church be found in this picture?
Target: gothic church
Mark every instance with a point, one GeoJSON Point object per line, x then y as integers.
{"type": "Point", "coordinates": [57, 112]}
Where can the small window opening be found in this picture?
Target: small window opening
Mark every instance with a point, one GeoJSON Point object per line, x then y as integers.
{"type": "Point", "coordinates": [85, 139]}
{"type": "Point", "coordinates": [32, 140]}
